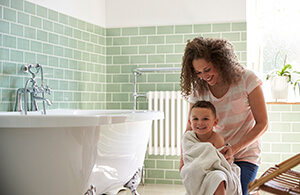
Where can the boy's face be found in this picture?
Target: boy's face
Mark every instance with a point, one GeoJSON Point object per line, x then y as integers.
{"type": "Point", "coordinates": [202, 120]}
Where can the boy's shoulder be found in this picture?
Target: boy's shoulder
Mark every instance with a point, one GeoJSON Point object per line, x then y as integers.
{"type": "Point", "coordinates": [218, 140]}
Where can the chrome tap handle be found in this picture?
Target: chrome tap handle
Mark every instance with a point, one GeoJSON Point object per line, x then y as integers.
{"type": "Point", "coordinates": [48, 90]}
{"type": "Point", "coordinates": [36, 90]}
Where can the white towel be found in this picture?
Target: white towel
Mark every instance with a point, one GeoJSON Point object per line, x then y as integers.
{"type": "Point", "coordinates": [205, 168]}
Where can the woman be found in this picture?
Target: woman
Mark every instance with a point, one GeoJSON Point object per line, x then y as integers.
{"type": "Point", "coordinates": [211, 72]}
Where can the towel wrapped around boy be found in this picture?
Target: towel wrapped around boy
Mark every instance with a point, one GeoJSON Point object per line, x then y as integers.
{"type": "Point", "coordinates": [205, 168]}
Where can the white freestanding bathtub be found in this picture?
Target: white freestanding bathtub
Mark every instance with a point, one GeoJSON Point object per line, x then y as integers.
{"type": "Point", "coordinates": [67, 151]}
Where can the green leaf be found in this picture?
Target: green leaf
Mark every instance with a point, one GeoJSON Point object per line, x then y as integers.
{"type": "Point", "coordinates": [297, 83]}
{"type": "Point", "coordinates": [297, 72]}
{"type": "Point", "coordinates": [287, 66]}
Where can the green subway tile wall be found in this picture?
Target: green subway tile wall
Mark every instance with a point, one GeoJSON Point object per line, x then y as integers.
{"type": "Point", "coordinates": [89, 67]}
{"type": "Point", "coordinates": [156, 46]}
{"type": "Point", "coordinates": [71, 51]}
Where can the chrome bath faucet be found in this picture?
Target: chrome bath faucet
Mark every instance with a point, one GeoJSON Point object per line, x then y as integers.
{"type": "Point", "coordinates": [34, 90]}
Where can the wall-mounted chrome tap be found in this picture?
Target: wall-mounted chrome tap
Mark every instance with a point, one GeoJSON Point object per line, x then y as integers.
{"type": "Point", "coordinates": [33, 90]}
{"type": "Point", "coordinates": [138, 72]}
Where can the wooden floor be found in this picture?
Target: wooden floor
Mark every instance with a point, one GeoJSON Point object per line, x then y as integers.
{"type": "Point", "coordinates": [162, 189]}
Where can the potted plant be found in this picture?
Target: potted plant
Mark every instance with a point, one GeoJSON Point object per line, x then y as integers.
{"type": "Point", "coordinates": [279, 81]}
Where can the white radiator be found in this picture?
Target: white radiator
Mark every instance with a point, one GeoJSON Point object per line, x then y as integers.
{"type": "Point", "coordinates": [166, 133]}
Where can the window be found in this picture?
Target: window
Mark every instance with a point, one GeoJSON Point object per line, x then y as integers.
{"type": "Point", "coordinates": [273, 34]}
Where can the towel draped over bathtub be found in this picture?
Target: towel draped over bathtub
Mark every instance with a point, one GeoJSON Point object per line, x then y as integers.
{"type": "Point", "coordinates": [205, 168]}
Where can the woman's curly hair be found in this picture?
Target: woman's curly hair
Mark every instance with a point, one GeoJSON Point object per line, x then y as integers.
{"type": "Point", "coordinates": [219, 52]}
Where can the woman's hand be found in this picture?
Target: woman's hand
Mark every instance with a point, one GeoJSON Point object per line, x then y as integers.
{"type": "Point", "coordinates": [228, 154]}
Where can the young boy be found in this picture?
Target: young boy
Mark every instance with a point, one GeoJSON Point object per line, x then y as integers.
{"type": "Point", "coordinates": [203, 119]}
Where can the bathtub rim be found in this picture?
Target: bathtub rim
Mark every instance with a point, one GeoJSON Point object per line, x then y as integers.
{"type": "Point", "coordinates": [75, 118]}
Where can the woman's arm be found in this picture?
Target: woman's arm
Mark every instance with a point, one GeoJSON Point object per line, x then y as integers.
{"type": "Point", "coordinates": [188, 128]}
{"type": "Point", "coordinates": [259, 111]}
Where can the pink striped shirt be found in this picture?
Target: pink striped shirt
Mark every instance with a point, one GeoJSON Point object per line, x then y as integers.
{"type": "Point", "coordinates": [235, 116]}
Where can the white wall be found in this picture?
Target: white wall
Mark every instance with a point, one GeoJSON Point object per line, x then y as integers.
{"type": "Point", "coordinates": [121, 13]}
{"type": "Point", "coordinates": [92, 11]}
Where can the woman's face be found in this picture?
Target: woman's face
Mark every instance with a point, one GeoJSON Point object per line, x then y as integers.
{"type": "Point", "coordinates": [206, 71]}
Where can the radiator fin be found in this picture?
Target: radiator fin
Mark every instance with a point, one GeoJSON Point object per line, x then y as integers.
{"type": "Point", "coordinates": [165, 138]}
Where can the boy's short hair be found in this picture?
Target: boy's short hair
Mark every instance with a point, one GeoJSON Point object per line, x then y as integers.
{"type": "Point", "coordinates": [205, 104]}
